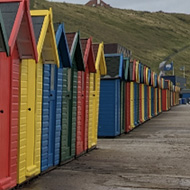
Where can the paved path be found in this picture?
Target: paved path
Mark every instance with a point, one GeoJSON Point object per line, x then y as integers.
{"type": "Point", "coordinates": [154, 156]}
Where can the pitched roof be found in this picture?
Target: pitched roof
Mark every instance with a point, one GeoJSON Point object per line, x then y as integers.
{"type": "Point", "coordinates": [88, 54]}
{"type": "Point", "coordinates": [4, 46]}
{"type": "Point", "coordinates": [18, 27]}
{"type": "Point", "coordinates": [95, 49]}
{"type": "Point", "coordinates": [114, 63]}
{"type": "Point", "coordinates": [100, 62]}
{"type": "Point", "coordinates": [116, 48]}
{"type": "Point", "coordinates": [62, 45]}
{"type": "Point", "coordinates": [96, 3]}
{"type": "Point", "coordinates": [45, 36]}
{"type": "Point", "coordinates": [75, 49]}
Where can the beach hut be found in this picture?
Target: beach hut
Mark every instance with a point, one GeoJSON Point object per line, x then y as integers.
{"type": "Point", "coordinates": [83, 96]}
{"type": "Point", "coordinates": [142, 94]}
{"type": "Point", "coordinates": [137, 97]}
{"type": "Point", "coordinates": [149, 92]}
{"type": "Point", "coordinates": [31, 96]}
{"type": "Point", "coordinates": [123, 94]}
{"type": "Point", "coordinates": [132, 93]}
{"type": "Point", "coordinates": [127, 96]}
{"type": "Point", "coordinates": [146, 93]}
{"type": "Point", "coordinates": [159, 94]}
{"type": "Point", "coordinates": [69, 100]}
{"type": "Point", "coordinates": [94, 94]}
{"type": "Point", "coordinates": [152, 95]}
{"type": "Point", "coordinates": [165, 94]}
{"type": "Point", "coordinates": [52, 101]}
{"type": "Point", "coordinates": [110, 97]}
{"type": "Point", "coordinates": [114, 48]}
{"type": "Point", "coordinates": [17, 43]}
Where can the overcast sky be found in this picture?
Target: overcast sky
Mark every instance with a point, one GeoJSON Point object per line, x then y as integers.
{"type": "Point", "coordinates": [180, 6]}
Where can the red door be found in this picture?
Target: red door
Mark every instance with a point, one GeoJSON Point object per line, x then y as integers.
{"type": "Point", "coordinates": [127, 108]}
{"type": "Point", "coordinates": [4, 120]}
{"type": "Point", "coordinates": [86, 107]}
{"type": "Point", "coordinates": [9, 101]}
{"type": "Point", "coordinates": [164, 92]}
{"type": "Point", "coordinates": [80, 113]}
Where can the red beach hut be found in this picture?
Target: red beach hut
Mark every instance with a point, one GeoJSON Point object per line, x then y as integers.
{"type": "Point", "coordinates": [83, 96]}
{"type": "Point", "coordinates": [21, 42]}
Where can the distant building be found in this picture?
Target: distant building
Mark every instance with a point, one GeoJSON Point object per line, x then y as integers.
{"type": "Point", "coordinates": [97, 3]}
{"type": "Point", "coordinates": [116, 48]}
{"type": "Point", "coordinates": [177, 81]}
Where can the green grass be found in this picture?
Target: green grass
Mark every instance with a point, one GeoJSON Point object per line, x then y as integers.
{"type": "Point", "coordinates": [150, 36]}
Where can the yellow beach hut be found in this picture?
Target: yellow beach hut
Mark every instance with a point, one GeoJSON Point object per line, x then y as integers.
{"type": "Point", "coordinates": [29, 151]}
{"type": "Point", "coordinates": [94, 94]}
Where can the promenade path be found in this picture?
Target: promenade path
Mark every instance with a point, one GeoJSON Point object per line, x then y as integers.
{"type": "Point", "coordinates": [154, 156]}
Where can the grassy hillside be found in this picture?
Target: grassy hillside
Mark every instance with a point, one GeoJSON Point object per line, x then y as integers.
{"type": "Point", "coordinates": [151, 36]}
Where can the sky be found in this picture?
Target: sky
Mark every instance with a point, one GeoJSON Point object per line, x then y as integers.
{"type": "Point", "coordinates": [178, 6]}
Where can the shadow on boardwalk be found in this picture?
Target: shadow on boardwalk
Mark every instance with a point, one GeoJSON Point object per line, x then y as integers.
{"type": "Point", "coordinates": [156, 155]}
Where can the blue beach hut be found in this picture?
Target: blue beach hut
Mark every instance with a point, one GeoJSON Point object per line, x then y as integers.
{"type": "Point", "coordinates": [110, 97]}
{"type": "Point", "coordinates": [52, 103]}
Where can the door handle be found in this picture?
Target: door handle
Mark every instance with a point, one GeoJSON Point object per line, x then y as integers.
{"type": "Point", "coordinates": [67, 95]}
{"type": "Point", "coordinates": [29, 109]}
{"type": "Point", "coordinates": [1, 111]}
{"type": "Point", "coordinates": [51, 94]}
{"type": "Point", "coordinates": [93, 94]}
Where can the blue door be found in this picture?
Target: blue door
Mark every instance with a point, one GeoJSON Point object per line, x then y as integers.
{"type": "Point", "coordinates": [109, 111]}
{"type": "Point", "coordinates": [49, 116]}
{"type": "Point", "coordinates": [145, 103]}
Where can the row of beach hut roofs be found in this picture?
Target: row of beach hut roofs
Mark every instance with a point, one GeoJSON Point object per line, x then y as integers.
{"type": "Point", "coordinates": [51, 83]}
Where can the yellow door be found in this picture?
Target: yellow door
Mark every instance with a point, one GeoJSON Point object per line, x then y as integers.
{"type": "Point", "coordinates": [156, 101]}
{"type": "Point", "coordinates": [30, 166]}
{"type": "Point", "coordinates": [150, 105]}
{"type": "Point", "coordinates": [30, 120]}
{"type": "Point", "coordinates": [94, 93]}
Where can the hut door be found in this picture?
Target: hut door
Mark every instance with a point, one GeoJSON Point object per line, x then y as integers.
{"type": "Point", "coordinates": [4, 119]}
{"type": "Point", "coordinates": [52, 116]}
{"type": "Point", "coordinates": [66, 114]}
{"type": "Point", "coordinates": [83, 99]}
{"type": "Point", "coordinates": [122, 107]}
{"type": "Point", "coordinates": [30, 140]}
{"type": "Point", "coordinates": [94, 105]}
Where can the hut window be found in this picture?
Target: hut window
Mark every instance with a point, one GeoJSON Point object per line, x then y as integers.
{"type": "Point", "coordinates": [94, 82]}
{"type": "Point", "coordinates": [83, 81]}
{"type": "Point", "coordinates": [52, 77]}
{"type": "Point", "coordinates": [69, 80]}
